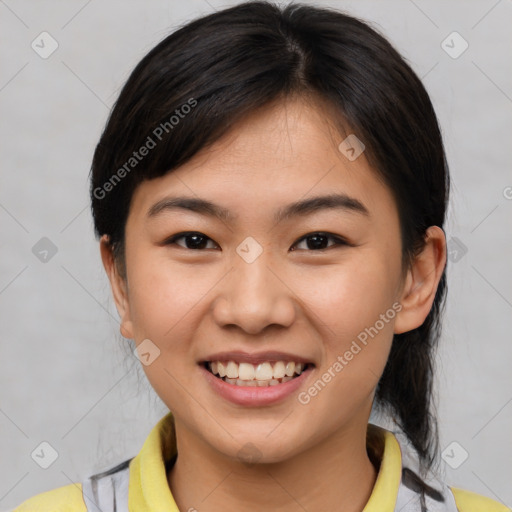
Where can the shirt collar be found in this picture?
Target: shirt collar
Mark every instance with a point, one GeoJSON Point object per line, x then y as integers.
{"type": "Point", "coordinates": [385, 490]}
{"type": "Point", "coordinates": [149, 490]}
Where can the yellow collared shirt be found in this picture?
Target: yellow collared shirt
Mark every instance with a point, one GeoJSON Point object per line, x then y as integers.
{"type": "Point", "coordinates": [148, 489]}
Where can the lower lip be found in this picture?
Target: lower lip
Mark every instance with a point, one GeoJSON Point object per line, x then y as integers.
{"type": "Point", "coordinates": [255, 395]}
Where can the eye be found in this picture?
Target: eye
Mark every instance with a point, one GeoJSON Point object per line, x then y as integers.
{"type": "Point", "coordinates": [314, 241]}
{"type": "Point", "coordinates": [194, 240]}
{"type": "Point", "coordinates": [318, 240]}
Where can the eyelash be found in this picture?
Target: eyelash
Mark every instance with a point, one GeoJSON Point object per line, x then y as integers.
{"type": "Point", "coordinates": [338, 240]}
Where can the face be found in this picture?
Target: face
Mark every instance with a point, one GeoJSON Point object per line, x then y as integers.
{"type": "Point", "coordinates": [297, 304]}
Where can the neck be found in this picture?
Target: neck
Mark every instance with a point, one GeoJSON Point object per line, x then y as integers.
{"type": "Point", "coordinates": [334, 475]}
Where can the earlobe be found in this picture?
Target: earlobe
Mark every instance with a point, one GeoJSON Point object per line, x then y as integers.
{"type": "Point", "coordinates": [422, 281]}
{"type": "Point", "coordinates": [118, 287]}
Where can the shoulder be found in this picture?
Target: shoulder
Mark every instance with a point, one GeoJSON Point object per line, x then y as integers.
{"type": "Point", "coordinates": [468, 501]}
{"type": "Point", "coordinates": [62, 499]}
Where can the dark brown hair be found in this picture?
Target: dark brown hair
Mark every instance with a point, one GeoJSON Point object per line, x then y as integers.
{"type": "Point", "coordinates": [199, 81]}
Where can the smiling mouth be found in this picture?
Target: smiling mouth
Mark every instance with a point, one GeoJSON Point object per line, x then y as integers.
{"type": "Point", "coordinates": [269, 373]}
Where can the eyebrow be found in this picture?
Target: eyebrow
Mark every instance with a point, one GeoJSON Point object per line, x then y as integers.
{"type": "Point", "coordinates": [304, 207]}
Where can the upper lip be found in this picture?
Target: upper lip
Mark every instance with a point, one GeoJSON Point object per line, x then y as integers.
{"type": "Point", "coordinates": [255, 357]}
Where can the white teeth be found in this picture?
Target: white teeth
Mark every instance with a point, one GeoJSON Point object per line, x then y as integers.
{"type": "Point", "coordinates": [264, 371]}
{"type": "Point", "coordinates": [232, 370]}
{"type": "Point", "coordinates": [246, 371]}
{"type": "Point", "coordinates": [221, 369]}
{"type": "Point", "coordinates": [261, 375]}
{"type": "Point", "coordinates": [240, 382]}
{"type": "Point", "coordinates": [279, 370]}
{"type": "Point", "coordinates": [290, 369]}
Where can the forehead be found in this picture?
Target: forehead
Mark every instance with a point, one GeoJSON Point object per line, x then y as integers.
{"type": "Point", "coordinates": [273, 157]}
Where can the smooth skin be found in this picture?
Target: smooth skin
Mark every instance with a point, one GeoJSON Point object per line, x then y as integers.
{"type": "Point", "coordinates": [295, 298]}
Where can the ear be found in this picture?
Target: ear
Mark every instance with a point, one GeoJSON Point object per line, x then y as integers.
{"type": "Point", "coordinates": [118, 286]}
{"type": "Point", "coordinates": [421, 282]}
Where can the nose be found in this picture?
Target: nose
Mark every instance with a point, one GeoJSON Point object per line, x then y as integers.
{"type": "Point", "coordinates": [254, 296]}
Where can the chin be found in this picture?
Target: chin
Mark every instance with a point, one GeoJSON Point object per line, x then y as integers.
{"type": "Point", "coordinates": [260, 448]}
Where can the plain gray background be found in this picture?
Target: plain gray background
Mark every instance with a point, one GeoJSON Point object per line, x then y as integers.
{"type": "Point", "coordinates": [65, 376]}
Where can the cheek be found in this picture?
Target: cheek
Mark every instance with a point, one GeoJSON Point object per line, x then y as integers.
{"type": "Point", "coordinates": [165, 307]}
{"type": "Point", "coordinates": [164, 295]}
{"type": "Point", "coordinates": [349, 297]}
{"type": "Point", "coordinates": [358, 305]}
{"type": "Point", "coordinates": [354, 313]}
{"type": "Point", "coordinates": [352, 307]}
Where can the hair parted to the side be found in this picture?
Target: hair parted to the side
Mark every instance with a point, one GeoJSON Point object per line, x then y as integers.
{"type": "Point", "coordinates": [239, 59]}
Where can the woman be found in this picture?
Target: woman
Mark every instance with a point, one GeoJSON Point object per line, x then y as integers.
{"type": "Point", "coordinates": [269, 193]}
